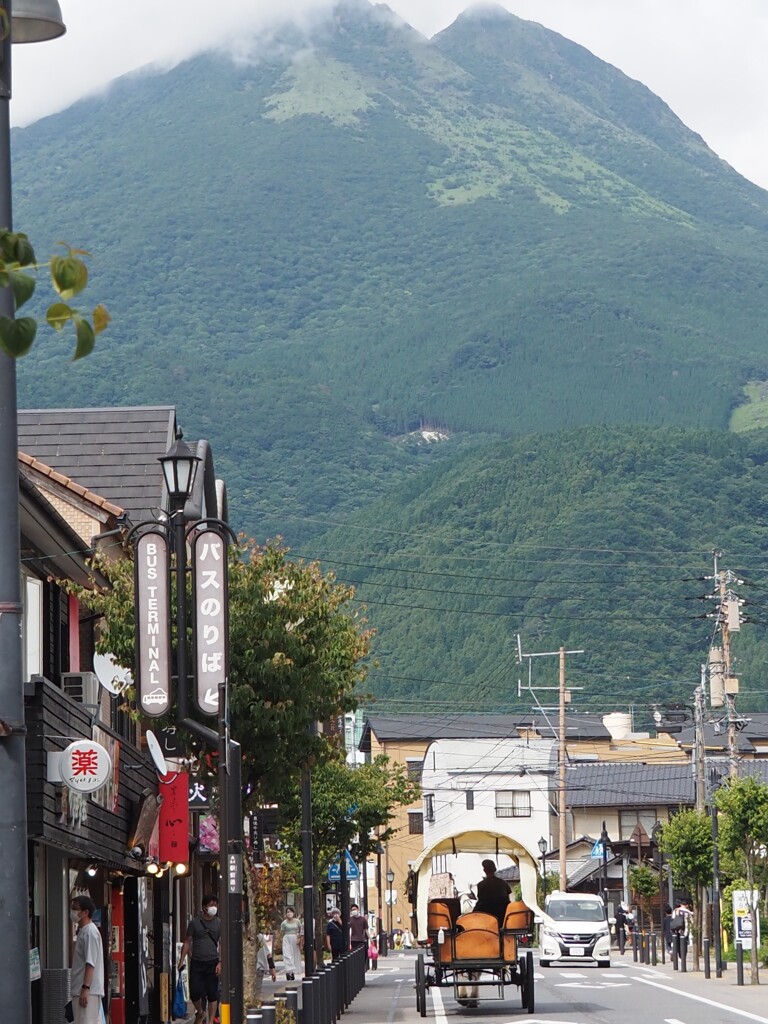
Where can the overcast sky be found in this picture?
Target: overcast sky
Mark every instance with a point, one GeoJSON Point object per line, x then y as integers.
{"type": "Point", "coordinates": [705, 58]}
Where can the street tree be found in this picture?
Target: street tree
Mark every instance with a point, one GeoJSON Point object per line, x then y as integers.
{"type": "Point", "coordinates": [296, 657]}
{"type": "Point", "coordinates": [743, 803]}
{"type": "Point", "coordinates": [644, 883]}
{"type": "Point", "coordinates": [686, 840]}
{"type": "Point", "coordinates": [352, 807]}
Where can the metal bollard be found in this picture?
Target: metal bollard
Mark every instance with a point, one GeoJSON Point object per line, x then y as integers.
{"type": "Point", "coordinates": [307, 1002]}
{"type": "Point", "coordinates": [635, 937]}
{"type": "Point", "coordinates": [268, 1013]}
{"type": "Point", "coordinates": [676, 952]}
{"type": "Point", "coordinates": [653, 949]}
{"type": "Point", "coordinates": [683, 953]}
{"type": "Point", "coordinates": [317, 1000]}
{"type": "Point", "coordinates": [705, 948]}
{"type": "Point", "coordinates": [292, 1002]}
{"type": "Point", "coordinates": [253, 1017]}
{"type": "Point", "coordinates": [739, 962]}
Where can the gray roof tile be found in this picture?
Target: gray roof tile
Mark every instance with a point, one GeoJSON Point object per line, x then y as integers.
{"type": "Point", "coordinates": [113, 451]}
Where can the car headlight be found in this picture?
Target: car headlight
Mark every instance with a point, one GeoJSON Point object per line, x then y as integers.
{"type": "Point", "coordinates": [546, 930]}
{"type": "Point", "coordinates": [603, 930]}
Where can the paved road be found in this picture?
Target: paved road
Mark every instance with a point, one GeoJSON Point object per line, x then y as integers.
{"type": "Point", "coordinates": [628, 993]}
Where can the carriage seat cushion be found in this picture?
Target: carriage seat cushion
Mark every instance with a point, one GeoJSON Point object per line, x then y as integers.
{"type": "Point", "coordinates": [476, 921]}
{"type": "Point", "coordinates": [518, 917]}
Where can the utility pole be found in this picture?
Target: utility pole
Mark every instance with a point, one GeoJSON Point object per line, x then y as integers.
{"type": "Point", "coordinates": [564, 699]}
{"type": "Point", "coordinates": [562, 838]}
{"type": "Point", "coordinates": [730, 622]}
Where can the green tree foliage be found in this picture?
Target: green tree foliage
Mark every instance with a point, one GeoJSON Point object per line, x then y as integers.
{"type": "Point", "coordinates": [348, 805]}
{"type": "Point", "coordinates": [743, 806]}
{"type": "Point", "coordinates": [686, 840]}
{"type": "Point", "coordinates": [69, 276]}
{"type": "Point", "coordinates": [598, 539]}
{"type": "Point", "coordinates": [644, 883]}
{"type": "Point", "coordinates": [296, 656]}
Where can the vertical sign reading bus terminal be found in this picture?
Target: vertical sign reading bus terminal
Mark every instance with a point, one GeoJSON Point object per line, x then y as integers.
{"type": "Point", "coordinates": [153, 635]}
{"type": "Point", "coordinates": [210, 588]}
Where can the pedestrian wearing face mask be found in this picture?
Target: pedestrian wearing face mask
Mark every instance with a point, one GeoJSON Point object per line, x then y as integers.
{"type": "Point", "coordinates": [202, 941]}
{"type": "Point", "coordinates": [87, 976]}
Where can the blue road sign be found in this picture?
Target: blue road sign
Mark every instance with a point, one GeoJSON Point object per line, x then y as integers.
{"type": "Point", "coordinates": [334, 871]}
{"type": "Point", "coordinates": [597, 850]}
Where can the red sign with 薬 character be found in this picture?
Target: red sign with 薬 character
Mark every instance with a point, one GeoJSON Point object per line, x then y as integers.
{"type": "Point", "coordinates": [174, 818]}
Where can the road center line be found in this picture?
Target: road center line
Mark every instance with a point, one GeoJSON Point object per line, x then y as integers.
{"type": "Point", "coordinates": [703, 999]}
{"type": "Point", "coordinates": [437, 999]}
{"type": "Point", "coordinates": [672, 1020]}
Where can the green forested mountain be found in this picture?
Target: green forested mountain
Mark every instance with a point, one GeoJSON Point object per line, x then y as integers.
{"type": "Point", "coordinates": [320, 248]}
{"type": "Point", "coordinates": [599, 539]}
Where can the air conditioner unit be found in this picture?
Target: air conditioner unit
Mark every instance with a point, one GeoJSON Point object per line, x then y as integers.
{"type": "Point", "coordinates": [81, 686]}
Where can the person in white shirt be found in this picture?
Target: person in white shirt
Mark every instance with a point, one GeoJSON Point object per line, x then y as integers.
{"type": "Point", "coordinates": [86, 986]}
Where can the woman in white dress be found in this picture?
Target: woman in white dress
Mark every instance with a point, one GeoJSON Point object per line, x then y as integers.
{"type": "Point", "coordinates": [292, 933]}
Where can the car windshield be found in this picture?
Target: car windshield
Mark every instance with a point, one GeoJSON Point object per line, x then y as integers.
{"type": "Point", "coordinates": [575, 910]}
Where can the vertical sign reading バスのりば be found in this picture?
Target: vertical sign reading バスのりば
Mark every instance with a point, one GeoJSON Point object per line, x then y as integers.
{"type": "Point", "coordinates": [210, 588]}
{"type": "Point", "coordinates": [153, 636]}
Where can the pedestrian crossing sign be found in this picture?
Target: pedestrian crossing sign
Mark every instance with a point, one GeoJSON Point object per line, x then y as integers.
{"type": "Point", "coordinates": [352, 872]}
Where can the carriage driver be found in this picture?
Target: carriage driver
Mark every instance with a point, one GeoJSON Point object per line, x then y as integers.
{"type": "Point", "coordinates": [492, 894]}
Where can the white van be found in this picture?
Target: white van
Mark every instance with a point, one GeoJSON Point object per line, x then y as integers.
{"type": "Point", "coordinates": [574, 930]}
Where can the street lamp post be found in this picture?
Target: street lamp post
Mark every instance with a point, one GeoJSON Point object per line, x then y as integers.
{"type": "Point", "coordinates": [390, 883]}
{"type": "Point", "coordinates": [543, 851]}
{"type": "Point", "coordinates": [31, 21]}
{"type": "Point", "coordinates": [179, 466]}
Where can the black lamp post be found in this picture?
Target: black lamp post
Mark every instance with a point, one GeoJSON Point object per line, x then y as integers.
{"type": "Point", "coordinates": [179, 466]}
{"type": "Point", "coordinates": [31, 21]}
{"type": "Point", "coordinates": [390, 883]}
{"type": "Point", "coordinates": [543, 851]}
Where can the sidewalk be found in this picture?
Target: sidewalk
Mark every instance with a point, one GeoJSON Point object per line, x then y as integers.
{"type": "Point", "coordinates": [747, 999]}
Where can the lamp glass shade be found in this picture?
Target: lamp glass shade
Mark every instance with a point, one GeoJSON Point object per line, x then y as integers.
{"type": "Point", "coordinates": [542, 846]}
{"type": "Point", "coordinates": [390, 876]}
{"type": "Point", "coordinates": [179, 468]}
{"type": "Point", "coordinates": [35, 21]}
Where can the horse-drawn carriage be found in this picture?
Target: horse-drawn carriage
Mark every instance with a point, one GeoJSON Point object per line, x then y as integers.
{"type": "Point", "coordinates": [473, 952]}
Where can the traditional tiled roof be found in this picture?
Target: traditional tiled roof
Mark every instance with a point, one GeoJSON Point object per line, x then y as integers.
{"type": "Point", "coordinates": [71, 485]}
{"type": "Point", "coordinates": [389, 728]}
{"type": "Point", "coordinates": [110, 452]}
{"type": "Point", "coordinates": [610, 784]}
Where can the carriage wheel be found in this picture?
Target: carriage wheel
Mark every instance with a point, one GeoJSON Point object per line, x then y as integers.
{"type": "Point", "coordinates": [421, 986]}
{"type": "Point", "coordinates": [529, 984]}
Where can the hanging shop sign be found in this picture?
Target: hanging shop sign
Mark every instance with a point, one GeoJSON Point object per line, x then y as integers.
{"type": "Point", "coordinates": [210, 589]}
{"type": "Point", "coordinates": [85, 766]}
{"type": "Point", "coordinates": [174, 818]}
{"type": "Point", "coordinates": [153, 632]}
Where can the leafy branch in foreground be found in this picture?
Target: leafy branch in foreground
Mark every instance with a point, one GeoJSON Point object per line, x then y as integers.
{"type": "Point", "coordinates": [69, 276]}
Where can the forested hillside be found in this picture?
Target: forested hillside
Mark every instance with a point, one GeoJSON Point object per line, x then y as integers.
{"type": "Point", "coordinates": [315, 251]}
{"type": "Point", "coordinates": [598, 539]}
